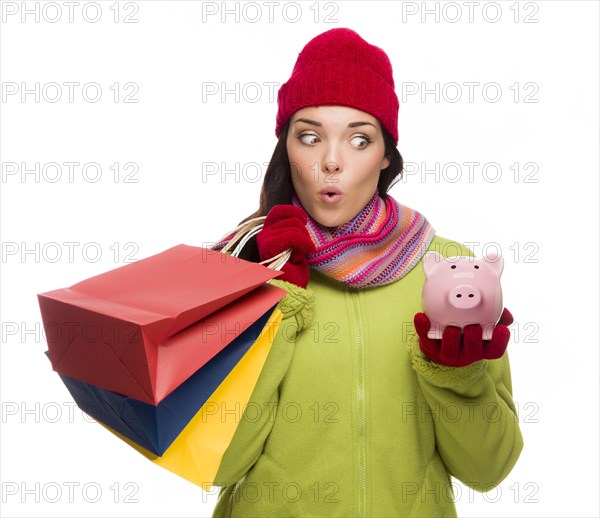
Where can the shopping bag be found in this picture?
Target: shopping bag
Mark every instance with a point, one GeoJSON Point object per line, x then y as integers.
{"type": "Point", "coordinates": [196, 453]}
{"type": "Point", "coordinates": [155, 427]}
{"type": "Point", "coordinates": [142, 329]}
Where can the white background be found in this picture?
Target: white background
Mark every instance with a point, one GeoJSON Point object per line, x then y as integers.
{"type": "Point", "coordinates": [541, 135]}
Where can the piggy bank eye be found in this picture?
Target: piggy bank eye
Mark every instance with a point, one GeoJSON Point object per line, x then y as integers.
{"type": "Point", "coordinates": [476, 267]}
{"type": "Point", "coordinates": [453, 266]}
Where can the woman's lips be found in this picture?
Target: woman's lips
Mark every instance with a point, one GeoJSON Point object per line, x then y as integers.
{"type": "Point", "coordinates": [330, 198]}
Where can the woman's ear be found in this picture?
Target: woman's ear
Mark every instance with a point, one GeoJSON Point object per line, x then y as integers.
{"type": "Point", "coordinates": [385, 163]}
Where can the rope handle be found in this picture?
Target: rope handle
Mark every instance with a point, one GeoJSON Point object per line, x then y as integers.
{"type": "Point", "coordinates": [244, 232]}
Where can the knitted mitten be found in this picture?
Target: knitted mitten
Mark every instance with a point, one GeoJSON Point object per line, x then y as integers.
{"type": "Point", "coordinates": [283, 228]}
{"type": "Point", "coordinates": [460, 348]}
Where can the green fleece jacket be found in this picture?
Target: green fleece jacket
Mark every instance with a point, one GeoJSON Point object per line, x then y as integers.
{"type": "Point", "coordinates": [349, 418]}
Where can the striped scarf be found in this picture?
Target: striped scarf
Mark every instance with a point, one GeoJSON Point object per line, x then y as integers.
{"type": "Point", "coordinates": [380, 245]}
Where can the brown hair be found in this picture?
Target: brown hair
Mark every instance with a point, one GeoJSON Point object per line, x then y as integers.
{"type": "Point", "coordinates": [277, 187]}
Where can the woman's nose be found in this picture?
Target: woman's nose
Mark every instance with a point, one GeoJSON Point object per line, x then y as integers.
{"type": "Point", "coordinates": [331, 167]}
{"type": "Point", "coordinates": [331, 160]}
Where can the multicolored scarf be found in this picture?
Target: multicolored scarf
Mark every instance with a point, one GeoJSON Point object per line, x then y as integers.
{"type": "Point", "coordinates": [380, 245]}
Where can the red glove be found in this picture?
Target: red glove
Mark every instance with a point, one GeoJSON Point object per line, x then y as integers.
{"type": "Point", "coordinates": [283, 228]}
{"type": "Point", "coordinates": [458, 349]}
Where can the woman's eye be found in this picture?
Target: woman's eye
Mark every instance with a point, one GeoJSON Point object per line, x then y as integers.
{"type": "Point", "coordinates": [362, 141]}
{"type": "Point", "coordinates": [305, 138]}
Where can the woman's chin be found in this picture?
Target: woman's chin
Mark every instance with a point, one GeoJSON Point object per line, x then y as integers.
{"type": "Point", "coordinates": [329, 221]}
{"type": "Point", "coordinates": [327, 218]}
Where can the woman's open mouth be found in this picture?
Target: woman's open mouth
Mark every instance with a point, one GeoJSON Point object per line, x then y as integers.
{"type": "Point", "coordinates": [330, 197]}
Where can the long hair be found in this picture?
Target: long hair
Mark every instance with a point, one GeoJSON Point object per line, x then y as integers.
{"type": "Point", "coordinates": [277, 187]}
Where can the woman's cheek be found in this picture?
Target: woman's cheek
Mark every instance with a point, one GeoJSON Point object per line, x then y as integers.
{"type": "Point", "coordinates": [298, 174]}
{"type": "Point", "coordinates": [297, 170]}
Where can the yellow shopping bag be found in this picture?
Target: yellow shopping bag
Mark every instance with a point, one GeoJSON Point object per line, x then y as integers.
{"type": "Point", "coordinates": [197, 451]}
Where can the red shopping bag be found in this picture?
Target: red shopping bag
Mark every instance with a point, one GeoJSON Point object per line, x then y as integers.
{"type": "Point", "coordinates": [142, 329]}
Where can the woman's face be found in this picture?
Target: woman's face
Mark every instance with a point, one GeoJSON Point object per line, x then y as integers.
{"type": "Point", "coordinates": [335, 148]}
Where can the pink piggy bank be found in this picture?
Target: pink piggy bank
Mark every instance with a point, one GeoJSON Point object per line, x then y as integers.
{"type": "Point", "coordinates": [462, 290]}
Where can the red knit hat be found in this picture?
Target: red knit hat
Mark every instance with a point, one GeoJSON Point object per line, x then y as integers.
{"type": "Point", "coordinates": [338, 67]}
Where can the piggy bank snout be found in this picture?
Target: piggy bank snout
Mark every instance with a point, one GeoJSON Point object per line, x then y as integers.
{"type": "Point", "coordinates": [464, 296]}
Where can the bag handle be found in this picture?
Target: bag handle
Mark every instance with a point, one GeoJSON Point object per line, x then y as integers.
{"type": "Point", "coordinates": [244, 232]}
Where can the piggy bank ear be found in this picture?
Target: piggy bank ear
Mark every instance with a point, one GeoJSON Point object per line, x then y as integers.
{"type": "Point", "coordinates": [495, 261]}
{"type": "Point", "coordinates": [430, 261]}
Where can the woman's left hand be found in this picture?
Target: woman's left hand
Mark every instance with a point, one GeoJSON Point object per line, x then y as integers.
{"type": "Point", "coordinates": [460, 348]}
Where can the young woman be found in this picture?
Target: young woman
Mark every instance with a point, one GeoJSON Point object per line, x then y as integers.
{"type": "Point", "coordinates": [356, 412]}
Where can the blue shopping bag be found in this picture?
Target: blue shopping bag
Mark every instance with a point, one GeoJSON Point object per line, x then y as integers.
{"type": "Point", "coordinates": [155, 427]}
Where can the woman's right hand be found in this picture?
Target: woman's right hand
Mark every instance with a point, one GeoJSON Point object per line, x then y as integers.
{"type": "Point", "coordinates": [283, 228]}
{"type": "Point", "coordinates": [461, 347]}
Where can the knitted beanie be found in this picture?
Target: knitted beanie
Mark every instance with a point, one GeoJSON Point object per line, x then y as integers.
{"type": "Point", "coordinates": [338, 67]}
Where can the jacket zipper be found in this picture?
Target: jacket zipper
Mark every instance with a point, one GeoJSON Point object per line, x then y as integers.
{"type": "Point", "coordinates": [360, 394]}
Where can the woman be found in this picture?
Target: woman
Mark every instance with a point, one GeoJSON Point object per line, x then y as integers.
{"type": "Point", "coordinates": [350, 417]}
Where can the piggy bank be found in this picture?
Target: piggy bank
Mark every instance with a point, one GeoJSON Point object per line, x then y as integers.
{"type": "Point", "coordinates": [462, 290]}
